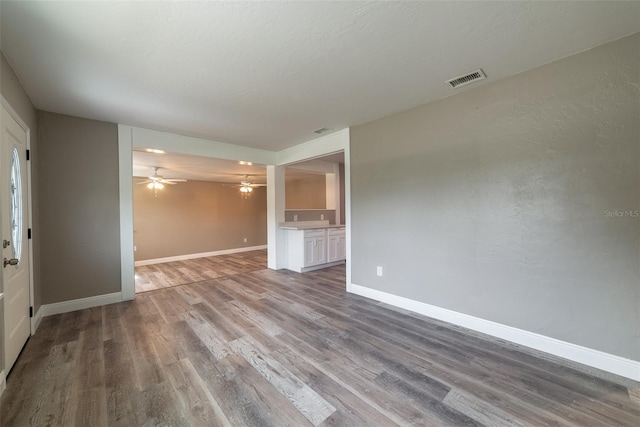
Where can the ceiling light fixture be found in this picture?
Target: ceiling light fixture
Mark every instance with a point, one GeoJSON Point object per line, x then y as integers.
{"type": "Point", "coordinates": [246, 190]}
{"type": "Point", "coordinates": [242, 162]}
{"type": "Point", "coordinates": [157, 182]}
{"type": "Point", "coordinates": [154, 151]}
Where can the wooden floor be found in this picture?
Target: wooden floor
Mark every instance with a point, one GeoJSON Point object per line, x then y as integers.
{"type": "Point", "coordinates": [175, 273]}
{"type": "Point", "coordinates": [269, 348]}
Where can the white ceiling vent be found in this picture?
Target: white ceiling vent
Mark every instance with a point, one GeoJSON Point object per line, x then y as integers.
{"type": "Point", "coordinates": [473, 76]}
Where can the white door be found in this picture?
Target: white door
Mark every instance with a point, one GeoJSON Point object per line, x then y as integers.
{"type": "Point", "coordinates": [15, 252]}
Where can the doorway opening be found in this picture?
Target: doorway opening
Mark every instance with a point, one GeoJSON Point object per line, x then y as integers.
{"type": "Point", "coordinates": [196, 218]}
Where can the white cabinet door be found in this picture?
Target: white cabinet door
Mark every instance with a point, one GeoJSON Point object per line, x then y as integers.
{"type": "Point", "coordinates": [309, 251]}
{"type": "Point", "coordinates": [334, 250]}
{"type": "Point", "coordinates": [321, 250]}
{"type": "Point", "coordinates": [337, 244]}
{"type": "Point", "coordinates": [315, 251]}
{"type": "Point", "coordinates": [342, 248]}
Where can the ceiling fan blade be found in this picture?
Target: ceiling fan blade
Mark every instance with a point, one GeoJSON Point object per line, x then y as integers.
{"type": "Point", "coordinates": [145, 182]}
{"type": "Point", "coordinates": [173, 180]}
{"type": "Point", "coordinates": [167, 182]}
{"type": "Point", "coordinates": [258, 185]}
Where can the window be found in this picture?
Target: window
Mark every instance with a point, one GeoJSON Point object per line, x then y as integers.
{"type": "Point", "coordinates": [15, 200]}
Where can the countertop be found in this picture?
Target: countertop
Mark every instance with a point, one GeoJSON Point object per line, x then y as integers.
{"type": "Point", "coordinates": [308, 225]}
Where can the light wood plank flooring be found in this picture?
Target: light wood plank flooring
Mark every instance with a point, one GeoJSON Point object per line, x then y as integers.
{"type": "Point", "coordinates": [269, 348]}
{"type": "Point", "coordinates": [176, 273]}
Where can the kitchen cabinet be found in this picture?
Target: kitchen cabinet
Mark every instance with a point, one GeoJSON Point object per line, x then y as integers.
{"type": "Point", "coordinates": [312, 249]}
{"type": "Point", "coordinates": [336, 244]}
{"type": "Point", "coordinates": [315, 247]}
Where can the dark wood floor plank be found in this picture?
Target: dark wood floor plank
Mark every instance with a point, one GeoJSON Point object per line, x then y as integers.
{"type": "Point", "coordinates": [248, 346]}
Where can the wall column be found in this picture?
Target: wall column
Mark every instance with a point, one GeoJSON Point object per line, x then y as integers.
{"type": "Point", "coordinates": [276, 242]}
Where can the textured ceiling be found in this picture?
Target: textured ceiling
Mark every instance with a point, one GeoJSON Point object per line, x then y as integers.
{"type": "Point", "coordinates": [266, 74]}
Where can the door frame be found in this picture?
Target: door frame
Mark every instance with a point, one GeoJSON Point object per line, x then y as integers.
{"type": "Point", "coordinates": [34, 320]}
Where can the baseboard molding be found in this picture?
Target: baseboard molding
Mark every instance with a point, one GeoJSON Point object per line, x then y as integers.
{"type": "Point", "coordinates": [3, 382]}
{"type": "Point", "coordinates": [35, 321]}
{"type": "Point", "coordinates": [199, 255]}
{"type": "Point", "coordinates": [576, 353]}
{"type": "Point", "coordinates": [80, 304]}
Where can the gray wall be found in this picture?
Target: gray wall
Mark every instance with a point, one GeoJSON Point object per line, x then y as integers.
{"type": "Point", "coordinates": [500, 202]}
{"type": "Point", "coordinates": [79, 206]}
{"type": "Point", "coordinates": [195, 217]}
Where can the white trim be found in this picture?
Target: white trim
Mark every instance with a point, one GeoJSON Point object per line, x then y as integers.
{"type": "Point", "coordinates": [199, 255]}
{"type": "Point", "coordinates": [171, 142]}
{"type": "Point", "coordinates": [125, 174]}
{"type": "Point", "coordinates": [80, 304]}
{"type": "Point", "coordinates": [3, 382]}
{"type": "Point", "coordinates": [328, 144]}
{"type": "Point", "coordinates": [321, 266]}
{"type": "Point", "coordinates": [586, 356]}
{"type": "Point", "coordinates": [35, 321]}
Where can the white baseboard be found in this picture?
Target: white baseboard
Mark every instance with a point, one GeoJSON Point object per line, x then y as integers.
{"type": "Point", "coordinates": [607, 362]}
{"type": "Point", "coordinates": [80, 304]}
{"type": "Point", "coordinates": [35, 321]}
{"type": "Point", "coordinates": [3, 382]}
{"type": "Point", "coordinates": [200, 255]}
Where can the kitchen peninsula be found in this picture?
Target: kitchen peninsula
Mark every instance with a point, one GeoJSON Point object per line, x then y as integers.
{"type": "Point", "coordinates": [312, 245]}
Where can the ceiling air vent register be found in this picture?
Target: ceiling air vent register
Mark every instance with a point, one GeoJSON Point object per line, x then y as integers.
{"type": "Point", "coordinates": [322, 130]}
{"type": "Point", "coordinates": [472, 77]}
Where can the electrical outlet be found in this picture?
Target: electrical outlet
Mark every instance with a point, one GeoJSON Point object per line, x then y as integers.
{"type": "Point", "coordinates": [245, 240]}
{"type": "Point", "coordinates": [379, 271]}
{"type": "Point", "coordinates": [295, 217]}
{"type": "Point", "coordinates": [321, 217]}
{"type": "Point", "coordinates": [135, 248]}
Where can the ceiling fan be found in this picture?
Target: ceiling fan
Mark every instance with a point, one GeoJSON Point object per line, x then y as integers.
{"type": "Point", "coordinates": [157, 182]}
{"type": "Point", "coordinates": [246, 186]}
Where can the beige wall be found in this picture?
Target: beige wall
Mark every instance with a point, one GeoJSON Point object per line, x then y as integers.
{"type": "Point", "coordinates": [196, 217]}
{"type": "Point", "coordinates": [79, 206]}
{"type": "Point", "coordinates": [292, 215]}
{"type": "Point", "coordinates": [501, 202]}
{"type": "Point", "coordinates": [306, 193]}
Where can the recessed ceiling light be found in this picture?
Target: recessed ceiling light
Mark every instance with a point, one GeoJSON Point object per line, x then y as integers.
{"type": "Point", "coordinates": [245, 163]}
{"type": "Point", "coordinates": [155, 151]}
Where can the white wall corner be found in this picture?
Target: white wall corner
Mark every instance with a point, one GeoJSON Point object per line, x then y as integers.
{"type": "Point", "coordinates": [576, 353]}
{"type": "Point", "coordinates": [125, 157]}
{"type": "Point", "coordinates": [276, 239]}
{"type": "Point", "coordinates": [80, 304]}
